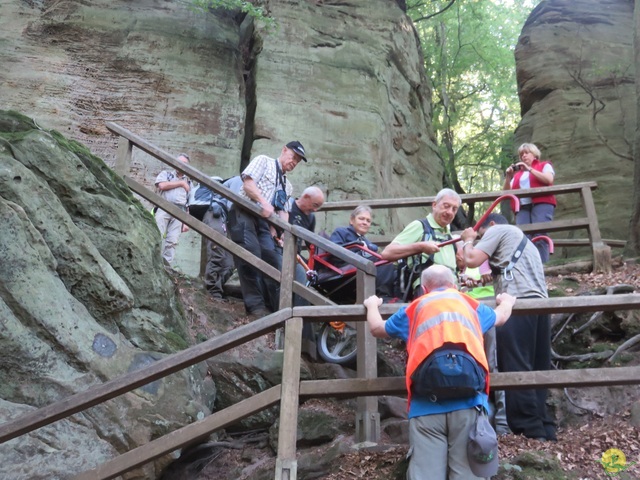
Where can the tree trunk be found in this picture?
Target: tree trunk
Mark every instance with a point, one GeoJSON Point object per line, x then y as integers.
{"type": "Point", "coordinates": [633, 242]}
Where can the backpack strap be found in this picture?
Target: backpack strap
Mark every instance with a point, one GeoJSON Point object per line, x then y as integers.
{"type": "Point", "coordinates": [508, 270]}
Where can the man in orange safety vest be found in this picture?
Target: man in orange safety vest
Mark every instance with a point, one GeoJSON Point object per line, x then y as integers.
{"type": "Point", "coordinates": [440, 424]}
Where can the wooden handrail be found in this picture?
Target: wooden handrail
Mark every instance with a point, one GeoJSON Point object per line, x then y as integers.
{"type": "Point", "coordinates": [466, 198]}
{"type": "Point", "coordinates": [163, 367]}
{"type": "Point", "coordinates": [184, 436]}
{"type": "Point", "coordinates": [177, 361]}
{"type": "Point", "coordinates": [291, 383]}
{"type": "Point", "coordinates": [365, 387]}
{"type": "Point", "coordinates": [591, 303]}
{"type": "Point", "coordinates": [357, 261]}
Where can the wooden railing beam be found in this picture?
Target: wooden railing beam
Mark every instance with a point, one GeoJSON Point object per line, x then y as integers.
{"type": "Point", "coordinates": [163, 367]}
{"type": "Point", "coordinates": [466, 198]}
{"type": "Point", "coordinates": [182, 437]}
{"type": "Point", "coordinates": [591, 303]}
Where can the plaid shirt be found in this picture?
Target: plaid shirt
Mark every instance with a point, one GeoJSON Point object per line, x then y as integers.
{"type": "Point", "coordinates": [262, 170]}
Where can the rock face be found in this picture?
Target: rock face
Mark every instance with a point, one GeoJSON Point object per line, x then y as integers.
{"type": "Point", "coordinates": [344, 78]}
{"type": "Point", "coordinates": [575, 73]}
{"type": "Point", "coordinates": [83, 299]}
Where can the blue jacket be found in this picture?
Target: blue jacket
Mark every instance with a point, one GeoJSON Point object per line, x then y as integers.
{"type": "Point", "coordinates": [344, 235]}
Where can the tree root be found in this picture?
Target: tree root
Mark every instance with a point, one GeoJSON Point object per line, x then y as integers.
{"type": "Point", "coordinates": [625, 346]}
{"type": "Point", "coordinates": [585, 357]}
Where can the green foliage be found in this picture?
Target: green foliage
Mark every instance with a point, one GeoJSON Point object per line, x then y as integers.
{"type": "Point", "coordinates": [468, 52]}
{"type": "Point", "coordinates": [250, 8]}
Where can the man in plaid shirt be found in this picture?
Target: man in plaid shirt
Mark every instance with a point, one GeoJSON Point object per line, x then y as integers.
{"type": "Point", "coordinates": [265, 183]}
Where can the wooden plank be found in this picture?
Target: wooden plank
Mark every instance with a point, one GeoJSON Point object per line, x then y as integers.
{"type": "Point", "coordinates": [288, 277]}
{"type": "Point", "coordinates": [184, 436]}
{"type": "Point", "coordinates": [556, 225]}
{"type": "Point", "coordinates": [288, 270]}
{"type": "Point", "coordinates": [590, 209]}
{"type": "Point", "coordinates": [203, 229]}
{"type": "Point", "coordinates": [192, 173]}
{"type": "Point", "coordinates": [384, 240]}
{"type": "Point", "coordinates": [585, 242]}
{"type": "Point", "coordinates": [367, 416]}
{"type": "Point", "coordinates": [125, 383]}
{"type": "Point", "coordinates": [288, 431]}
{"type": "Point", "coordinates": [123, 157]}
{"type": "Point", "coordinates": [591, 303]}
{"type": "Point", "coordinates": [336, 250]}
{"type": "Point", "coordinates": [467, 198]}
{"type": "Point", "coordinates": [311, 295]}
{"type": "Point", "coordinates": [576, 378]}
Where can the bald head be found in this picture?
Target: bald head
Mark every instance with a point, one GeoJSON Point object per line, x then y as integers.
{"type": "Point", "coordinates": [311, 200]}
{"type": "Point", "coordinates": [437, 276]}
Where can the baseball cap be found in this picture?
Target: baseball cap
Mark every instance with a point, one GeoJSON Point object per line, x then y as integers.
{"type": "Point", "coordinates": [482, 448]}
{"type": "Point", "coordinates": [297, 147]}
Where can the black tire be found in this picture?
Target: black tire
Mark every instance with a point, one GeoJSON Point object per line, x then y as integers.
{"type": "Point", "coordinates": [337, 347]}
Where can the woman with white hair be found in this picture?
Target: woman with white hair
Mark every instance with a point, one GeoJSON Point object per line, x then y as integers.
{"type": "Point", "coordinates": [359, 224]}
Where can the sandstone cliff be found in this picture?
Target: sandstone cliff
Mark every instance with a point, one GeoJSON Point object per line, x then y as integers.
{"type": "Point", "coordinates": [84, 298]}
{"type": "Point", "coordinates": [576, 84]}
{"type": "Point", "coordinates": [344, 78]}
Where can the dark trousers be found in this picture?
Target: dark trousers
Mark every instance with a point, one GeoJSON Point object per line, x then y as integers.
{"type": "Point", "coordinates": [524, 344]}
{"type": "Point", "coordinates": [219, 266]}
{"type": "Point", "coordinates": [537, 213]}
{"type": "Point", "coordinates": [252, 233]}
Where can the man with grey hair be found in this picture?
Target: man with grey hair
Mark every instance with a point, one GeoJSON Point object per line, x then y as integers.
{"type": "Point", "coordinates": [174, 187]}
{"type": "Point", "coordinates": [441, 324]}
{"type": "Point", "coordinates": [419, 240]}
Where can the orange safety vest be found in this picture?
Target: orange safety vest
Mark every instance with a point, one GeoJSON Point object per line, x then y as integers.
{"type": "Point", "coordinates": [443, 316]}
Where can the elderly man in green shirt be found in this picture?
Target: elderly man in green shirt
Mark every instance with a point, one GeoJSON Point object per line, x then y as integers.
{"type": "Point", "coordinates": [421, 242]}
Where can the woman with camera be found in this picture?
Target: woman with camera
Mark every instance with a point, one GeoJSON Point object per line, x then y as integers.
{"type": "Point", "coordinates": [531, 172]}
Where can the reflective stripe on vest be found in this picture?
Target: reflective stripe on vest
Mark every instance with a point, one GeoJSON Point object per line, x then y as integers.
{"type": "Point", "coordinates": [439, 318]}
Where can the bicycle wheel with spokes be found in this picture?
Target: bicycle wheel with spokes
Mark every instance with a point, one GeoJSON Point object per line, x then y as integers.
{"type": "Point", "coordinates": [337, 346]}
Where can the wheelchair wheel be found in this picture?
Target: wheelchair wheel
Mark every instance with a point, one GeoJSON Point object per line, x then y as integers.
{"type": "Point", "coordinates": [337, 346]}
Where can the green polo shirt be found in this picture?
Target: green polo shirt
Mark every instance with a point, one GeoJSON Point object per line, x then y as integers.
{"type": "Point", "coordinates": [414, 232]}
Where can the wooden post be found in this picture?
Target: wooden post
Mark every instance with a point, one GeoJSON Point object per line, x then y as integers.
{"type": "Point", "coordinates": [601, 251]}
{"type": "Point", "coordinates": [286, 463]}
{"type": "Point", "coordinates": [288, 274]}
{"type": "Point", "coordinates": [123, 158]}
{"type": "Point", "coordinates": [203, 255]}
{"type": "Point", "coordinates": [367, 415]}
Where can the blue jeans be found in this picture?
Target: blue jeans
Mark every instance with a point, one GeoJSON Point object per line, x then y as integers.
{"type": "Point", "coordinates": [537, 213]}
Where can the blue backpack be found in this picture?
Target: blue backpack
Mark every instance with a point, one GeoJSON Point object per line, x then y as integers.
{"type": "Point", "coordinates": [203, 199]}
{"type": "Point", "coordinates": [448, 373]}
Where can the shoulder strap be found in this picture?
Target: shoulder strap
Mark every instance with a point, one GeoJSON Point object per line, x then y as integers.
{"type": "Point", "coordinates": [427, 228]}
{"type": "Point", "coordinates": [507, 272]}
{"type": "Point", "coordinates": [282, 178]}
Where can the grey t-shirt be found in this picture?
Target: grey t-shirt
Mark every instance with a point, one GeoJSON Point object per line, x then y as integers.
{"type": "Point", "coordinates": [500, 243]}
{"type": "Point", "coordinates": [178, 195]}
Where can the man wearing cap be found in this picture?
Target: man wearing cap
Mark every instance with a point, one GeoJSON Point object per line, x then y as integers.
{"type": "Point", "coordinates": [174, 187]}
{"type": "Point", "coordinates": [442, 430]}
{"type": "Point", "coordinates": [265, 183]}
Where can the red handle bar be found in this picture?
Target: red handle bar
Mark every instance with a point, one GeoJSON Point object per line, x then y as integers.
{"type": "Point", "coordinates": [486, 214]}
